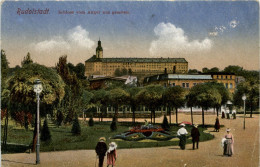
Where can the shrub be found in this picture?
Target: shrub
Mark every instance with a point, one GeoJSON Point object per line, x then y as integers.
{"type": "Point", "coordinates": [113, 125]}
{"type": "Point", "coordinates": [76, 130]}
{"type": "Point", "coordinates": [45, 132]}
{"type": "Point", "coordinates": [91, 121]}
{"type": "Point", "coordinates": [165, 124]}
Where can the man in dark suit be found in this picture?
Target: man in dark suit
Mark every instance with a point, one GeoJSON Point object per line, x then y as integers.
{"type": "Point", "coordinates": [195, 134]}
{"type": "Point", "coordinates": [101, 150]}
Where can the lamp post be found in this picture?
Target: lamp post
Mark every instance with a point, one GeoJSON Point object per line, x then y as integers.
{"type": "Point", "coordinates": [244, 99]}
{"type": "Point", "coordinates": [38, 89]}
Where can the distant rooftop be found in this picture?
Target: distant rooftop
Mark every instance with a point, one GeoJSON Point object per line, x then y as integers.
{"type": "Point", "coordinates": [177, 77]}
{"type": "Point", "coordinates": [135, 60]}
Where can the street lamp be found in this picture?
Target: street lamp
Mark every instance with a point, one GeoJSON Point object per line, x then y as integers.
{"type": "Point", "coordinates": [244, 99]}
{"type": "Point", "coordinates": [38, 89]}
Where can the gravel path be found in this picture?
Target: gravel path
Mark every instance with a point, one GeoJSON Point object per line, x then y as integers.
{"type": "Point", "coordinates": [209, 154]}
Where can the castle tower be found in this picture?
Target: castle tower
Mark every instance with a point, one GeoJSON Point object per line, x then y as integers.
{"type": "Point", "coordinates": [99, 50]}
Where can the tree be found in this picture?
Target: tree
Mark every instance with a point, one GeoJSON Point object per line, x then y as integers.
{"type": "Point", "coordinates": [174, 97]}
{"type": "Point", "coordinates": [251, 89]}
{"type": "Point", "coordinates": [205, 70]}
{"type": "Point", "coordinates": [76, 130]}
{"type": "Point", "coordinates": [223, 91]}
{"type": "Point", "coordinates": [214, 69]}
{"type": "Point", "coordinates": [101, 100]}
{"type": "Point", "coordinates": [193, 71]}
{"type": "Point", "coordinates": [165, 124]}
{"type": "Point", "coordinates": [5, 94]}
{"type": "Point", "coordinates": [133, 100]}
{"type": "Point", "coordinates": [22, 95]}
{"type": "Point", "coordinates": [151, 97]}
{"type": "Point", "coordinates": [118, 97]}
{"type": "Point", "coordinates": [45, 132]}
{"type": "Point", "coordinates": [205, 97]}
{"type": "Point", "coordinates": [27, 60]}
{"type": "Point", "coordinates": [117, 72]}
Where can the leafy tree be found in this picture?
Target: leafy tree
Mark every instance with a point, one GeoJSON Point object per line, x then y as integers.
{"type": "Point", "coordinates": [118, 97]}
{"type": "Point", "coordinates": [117, 72]}
{"type": "Point", "coordinates": [45, 132]}
{"type": "Point", "coordinates": [251, 90]}
{"type": "Point", "coordinates": [22, 95]}
{"type": "Point", "coordinates": [151, 97]}
{"type": "Point", "coordinates": [193, 71]}
{"type": "Point", "coordinates": [91, 121]}
{"type": "Point", "coordinates": [174, 97]}
{"type": "Point", "coordinates": [101, 99]}
{"type": "Point", "coordinates": [27, 60]}
{"type": "Point", "coordinates": [205, 70]}
{"type": "Point", "coordinates": [113, 125]}
{"type": "Point", "coordinates": [76, 130]}
{"type": "Point", "coordinates": [133, 100]}
{"type": "Point", "coordinates": [5, 94]}
{"type": "Point", "coordinates": [205, 97]}
{"type": "Point", "coordinates": [165, 124]}
{"type": "Point", "coordinates": [234, 69]}
{"type": "Point", "coordinates": [225, 96]}
{"type": "Point", "coordinates": [214, 69]}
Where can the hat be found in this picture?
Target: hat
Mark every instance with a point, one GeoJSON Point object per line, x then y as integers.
{"type": "Point", "coordinates": [228, 130]}
{"type": "Point", "coordinates": [112, 146]}
{"type": "Point", "coordinates": [102, 138]}
{"type": "Point", "coordinates": [195, 125]}
{"type": "Point", "coordinates": [182, 124]}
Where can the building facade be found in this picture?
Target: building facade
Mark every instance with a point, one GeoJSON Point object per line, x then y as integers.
{"type": "Point", "coordinates": [98, 65]}
{"type": "Point", "coordinates": [188, 81]}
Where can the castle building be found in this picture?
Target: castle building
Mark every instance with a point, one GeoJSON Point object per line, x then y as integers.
{"type": "Point", "coordinates": [97, 65]}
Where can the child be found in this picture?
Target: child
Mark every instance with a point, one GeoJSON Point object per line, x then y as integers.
{"type": "Point", "coordinates": [111, 154]}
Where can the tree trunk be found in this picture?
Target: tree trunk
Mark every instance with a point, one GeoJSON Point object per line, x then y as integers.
{"type": "Point", "coordinates": [133, 108]}
{"type": "Point", "coordinates": [170, 115]}
{"type": "Point", "coordinates": [203, 117]}
{"type": "Point", "coordinates": [191, 114]}
{"type": "Point", "coordinates": [176, 115]}
{"type": "Point", "coordinates": [251, 108]}
{"type": "Point", "coordinates": [217, 111]}
{"type": "Point", "coordinates": [153, 116]}
{"type": "Point", "coordinates": [5, 130]}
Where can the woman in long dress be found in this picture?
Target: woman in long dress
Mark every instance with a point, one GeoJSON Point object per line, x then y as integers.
{"type": "Point", "coordinates": [111, 154]}
{"type": "Point", "coordinates": [228, 146]}
{"type": "Point", "coordinates": [217, 125]}
{"type": "Point", "coordinates": [181, 133]}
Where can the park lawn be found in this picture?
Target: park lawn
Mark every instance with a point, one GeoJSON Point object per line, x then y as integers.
{"type": "Point", "coordinates": [63, 139]}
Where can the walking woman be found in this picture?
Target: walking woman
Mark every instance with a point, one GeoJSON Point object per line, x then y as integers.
{"type": "Point", "coordinates": [217, 125]}
{"type": "Point", "coordinates": [111, 154]}
{"type": "Point", "coordinates": [228, 144]}
{"type": "Point", "coordinates": [181, 133]}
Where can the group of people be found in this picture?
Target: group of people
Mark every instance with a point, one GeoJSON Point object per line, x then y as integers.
{"type": "Point", "coordinates": [195, 134]}
{"type": "Point", "coordinates": [227, 113]}
{"type": "Point", "coordinates": [227, 142]}
{"type": "Point", "coordinates": [102, 151]}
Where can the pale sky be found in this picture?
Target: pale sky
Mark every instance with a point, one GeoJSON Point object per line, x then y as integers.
{"type": "Point", "coordinates": [207, 34]}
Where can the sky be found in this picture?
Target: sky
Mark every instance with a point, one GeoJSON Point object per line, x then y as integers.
{"type": "Point", "coordinates": [205, 33]}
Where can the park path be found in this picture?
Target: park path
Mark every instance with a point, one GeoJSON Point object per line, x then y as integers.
{"type": "Point", "coordinates": [209, 154]}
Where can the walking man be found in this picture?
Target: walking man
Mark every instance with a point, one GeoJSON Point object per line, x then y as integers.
{"type": "Point", "coordinates": [195, 134]}
{"type": "Point", "coordinates": [101, 150]}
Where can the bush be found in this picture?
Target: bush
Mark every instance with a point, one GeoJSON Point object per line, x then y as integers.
{"type": "Point", "coordinates": [45, 132]}
{"type": "Point", "coordinates": [76, 130]}
{"type": "Point", "coordinates": [91, 121]}
{"type": "Point", "coordinates": [113, 126]}
{"type": "Point", "coordinates": [165, 124]}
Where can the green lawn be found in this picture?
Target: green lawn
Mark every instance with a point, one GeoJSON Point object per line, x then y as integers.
{"type": "Point", "coordinates": [62, 138]}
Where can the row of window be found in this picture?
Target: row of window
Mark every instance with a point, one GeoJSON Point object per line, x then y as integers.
{"type": "Point", "coordinates": [222, 77]}
{"type": "Point", "coordinates": [187, 85]}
